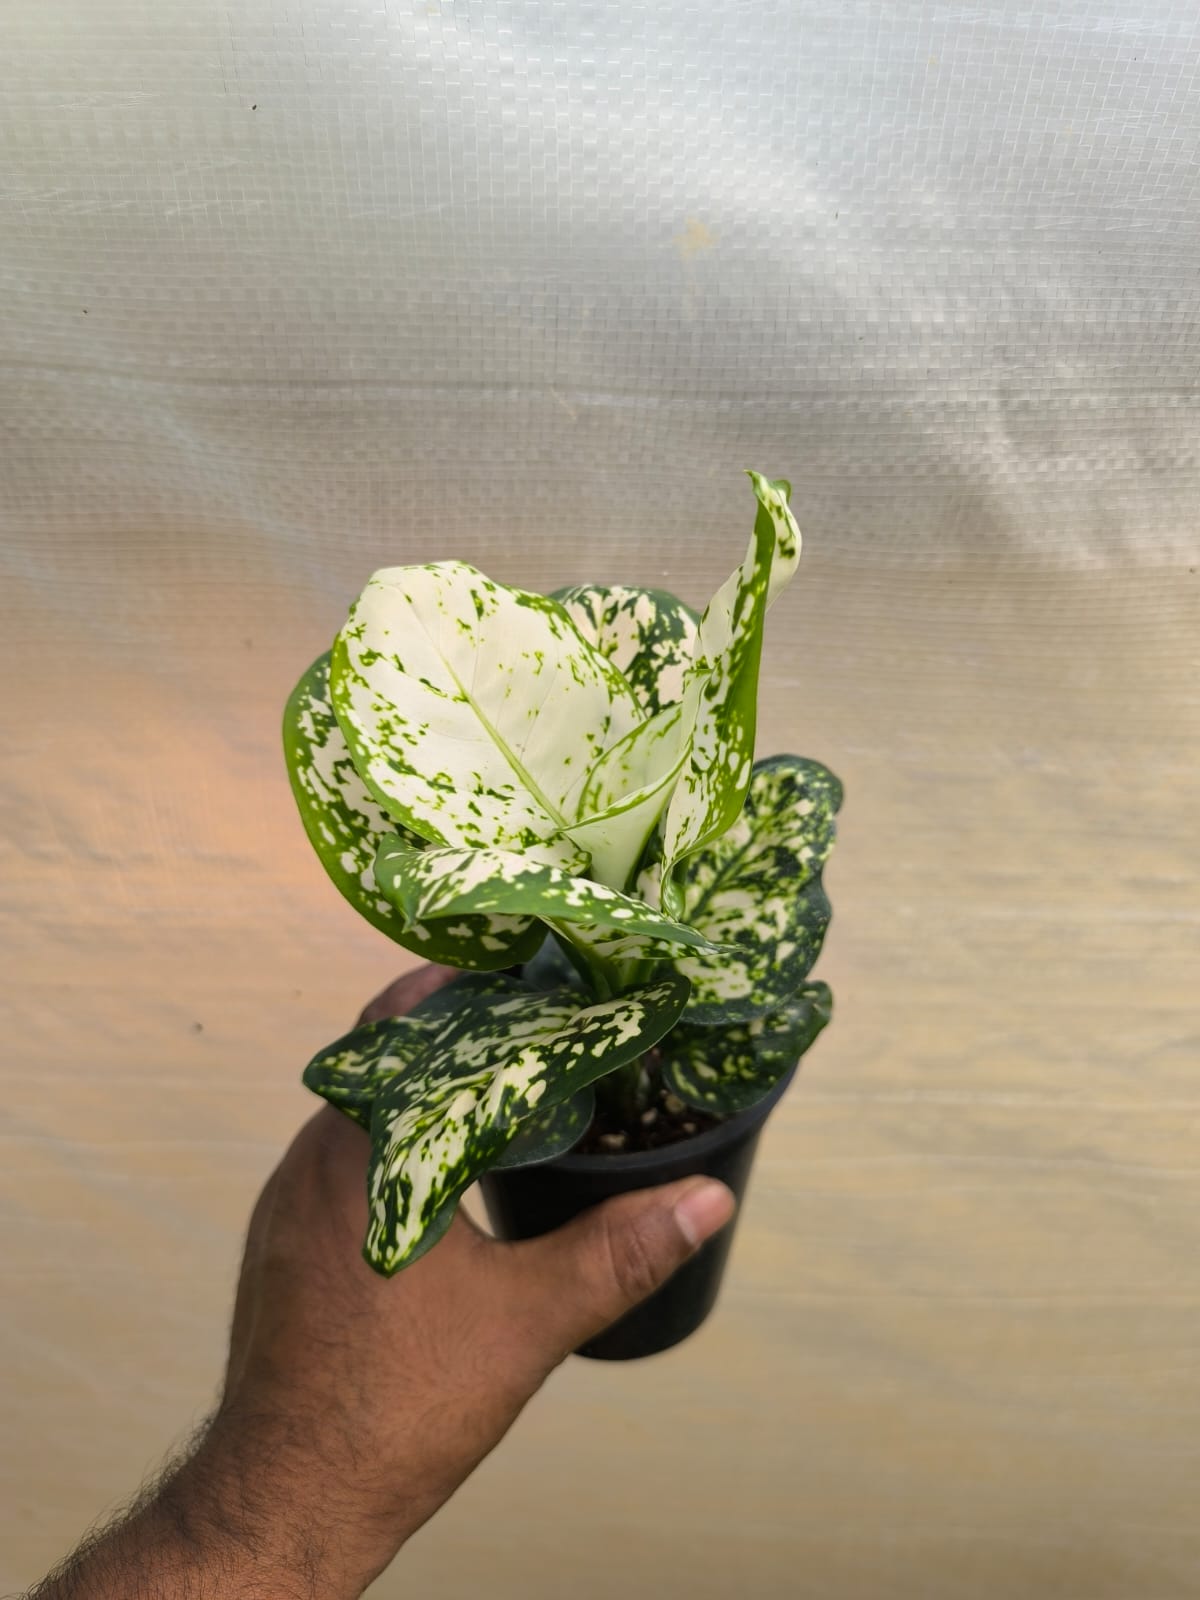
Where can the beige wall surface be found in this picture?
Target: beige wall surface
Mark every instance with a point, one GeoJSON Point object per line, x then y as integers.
{"type": "Point", "coordinates": [291, 289]}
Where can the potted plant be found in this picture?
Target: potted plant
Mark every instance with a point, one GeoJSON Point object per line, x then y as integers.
{"type": "Point", "coordinates": [558, 794]}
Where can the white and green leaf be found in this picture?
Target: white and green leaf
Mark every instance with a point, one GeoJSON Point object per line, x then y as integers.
{"type": "Point", "coordinates": [435, 1128]}
{"type": "Point", "coordinates": [475, 712]}
{"type": "Point", "coordinates": [647, 634]}
{"type": "Point", "coordinates": [342, 820]}
{"type": "Point", "coordinates": [550, 1131]}
{"type": "Point", "coordinates": [719, 705]}
{"type": "Point", "coordinates": [692, 759]}
{"type": "Point", "coordinates": [726, 1069]}
{"type": "Point", "coordinates": [435, 884]}
{"type": "Point", "coordinates": [757, 891]}
{"type": "Point", "coordinates": [454, 1006]}
{"type": "Point", "coordinates": [626, 793]}
{"type": "Point", "coordinates": [345, 825]}
{"type": "Point", "coordinates": [350, 1072]}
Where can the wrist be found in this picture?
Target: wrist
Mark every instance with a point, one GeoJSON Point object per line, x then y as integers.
{"type": "Point", "coordinates": [203, 1532]}
{"type": "Point", "coordinates": [290, 1500]}
{"type": "Point", "coordinates": [239, 1503]}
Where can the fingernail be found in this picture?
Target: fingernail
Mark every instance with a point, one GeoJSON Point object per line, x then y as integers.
{"type": "Point", "coordinates": [703, 1210]}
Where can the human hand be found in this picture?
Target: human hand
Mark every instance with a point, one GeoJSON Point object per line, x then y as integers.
{"type": "Point", "coordinates": [354, 1406]}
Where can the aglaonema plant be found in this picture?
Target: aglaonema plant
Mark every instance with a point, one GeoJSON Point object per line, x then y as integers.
{"type": "Point", "coordinates": [558, 794]}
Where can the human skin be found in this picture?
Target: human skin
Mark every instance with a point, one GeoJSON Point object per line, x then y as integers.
{"type": "Point", "coordinates": [353, 1406]}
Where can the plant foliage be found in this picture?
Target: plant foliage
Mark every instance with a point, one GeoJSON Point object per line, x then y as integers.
{"type": "Point", "coordinates": [563, 785]}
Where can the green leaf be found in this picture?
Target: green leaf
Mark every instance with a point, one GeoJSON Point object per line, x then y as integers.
{"type": "Point", "coordinates": [758, 890]}
{"type": "Point", "coordinates": [350, 1072]}
{"type": "Point", "coordinates": [345, 825]}
{"type": "Point", "coordinates": [722, 692]}
{"type": "Point", "coordinates": [433, 883]}
{"type": "Point", "coordinates": [474, 712]}
{"type": "Point", "coordinates": [550, 1132]}
{"type": "Point", "coordinates": [436, 1127]}
{"type": "Point", "coordinates": [551, 968]}
{"type": "Point", "coordinates": [722, 1070]}
{"type": "Point", "coordinates": [455, 1004]}
{"type": "Point", "coordinates": [647, 634]}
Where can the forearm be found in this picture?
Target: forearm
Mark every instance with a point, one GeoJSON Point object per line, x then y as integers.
{"type": "Point", "coordinates": [209, 1529]}
{"type": "Point", "coordinates": [354, 1407]}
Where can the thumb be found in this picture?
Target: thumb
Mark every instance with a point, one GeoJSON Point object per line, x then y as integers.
{"type": "Point", "coordinates": [599, 1266]}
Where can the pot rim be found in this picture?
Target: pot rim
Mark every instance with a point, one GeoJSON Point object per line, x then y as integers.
{"type": "Point", "coordinates": [696, 1144]}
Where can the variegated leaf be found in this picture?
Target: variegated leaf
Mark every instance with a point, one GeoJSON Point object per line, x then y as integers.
{"type": "Point", "coordinates": [435, 1129]}
{"type": "Point", "coordinates": [726, 1069]}
{"type": "Point", "coordinates": [626, 793]}
{"type": "Point", "coordinates": [453, 1011]}
{"type": "Point", "coordinates": [551, 1131]}
{"type": "Point", "coordinates": [345, 825]}
{"type": "Point", "coordinates": [610, 961]}
{"type": "Point", "coordinates": [454, 1005]}
{"type": "Point", "coordinates": [475, 712]}
{"type": "Point", "coordinates": [721, 696]}
{"type": "Point", "coordinates": [350, 1072]}
{"type": "Point", "coordinates": [437, 884]}
{"type": "Point", "coordinates": [692, 760]}
{"type": "Point", "coordinates": [647, 634]}
{"type": "Point", "coordinates": [758, 889]}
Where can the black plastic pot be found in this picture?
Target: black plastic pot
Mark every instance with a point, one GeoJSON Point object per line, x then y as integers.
{"type": "Point", "coordinates": [526, 1201]}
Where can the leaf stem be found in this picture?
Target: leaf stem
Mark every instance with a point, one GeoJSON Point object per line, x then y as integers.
{"type": "Point", "coordinates": [602, 977]}
{"type": "Point", "coordinates": [620, 1093]}
{"type": "Point", "coordinates": [629, 1091]}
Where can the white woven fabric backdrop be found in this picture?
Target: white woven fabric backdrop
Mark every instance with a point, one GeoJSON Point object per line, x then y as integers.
{"type": "Point", "coordinates": [293, 288]}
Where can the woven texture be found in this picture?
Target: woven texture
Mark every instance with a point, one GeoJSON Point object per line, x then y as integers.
{"type": "Point", "coordinates": [291, 289]}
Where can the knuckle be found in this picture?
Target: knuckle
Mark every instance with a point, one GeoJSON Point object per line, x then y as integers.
{"type": "Point", "coordinates": [632, 1260]}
